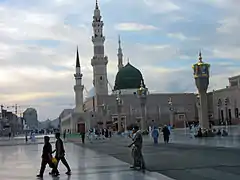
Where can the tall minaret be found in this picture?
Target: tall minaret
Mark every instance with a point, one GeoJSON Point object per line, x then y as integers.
{"type": "Point", "coordinates": [120, 54]}
{"type": "Point", "coordinates": [99, 61]}
{"type": "Point", "coordinates": [78, 88]}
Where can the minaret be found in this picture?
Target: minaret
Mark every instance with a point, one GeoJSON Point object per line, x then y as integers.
{"type": "Point", "coordinates": [120, 54]}
{"type": "Point", "coordinates": [99, 61]}
{"type": "Point", "coordinates": [78, 88]}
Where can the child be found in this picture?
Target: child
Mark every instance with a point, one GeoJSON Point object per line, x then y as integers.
{"type": "Point", "coordinates": [47, 158]}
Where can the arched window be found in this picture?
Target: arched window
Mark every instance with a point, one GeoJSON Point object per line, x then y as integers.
{"type": "Point", "coordinates": [101, 78]}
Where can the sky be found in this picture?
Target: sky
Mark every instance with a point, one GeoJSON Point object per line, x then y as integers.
{"type": "Point", "coordinates": [162, 38]}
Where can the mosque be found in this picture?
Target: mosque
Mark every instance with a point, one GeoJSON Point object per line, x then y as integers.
{"type": "Point", "coordinates": [130, 101]}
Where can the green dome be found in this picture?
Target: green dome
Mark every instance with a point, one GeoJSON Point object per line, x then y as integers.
{"type": "Point", "coordinates": [128, 77]}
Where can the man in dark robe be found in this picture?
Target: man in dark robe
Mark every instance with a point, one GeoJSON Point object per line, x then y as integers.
{"type": "Point", "coordinates": [83, 137]}
{"type": "Point", "coordinates": [166, 134]}
{"type": "Point", "coordinates": [60, 153]}
{"type": "Point", "coordinates": [47, 158]}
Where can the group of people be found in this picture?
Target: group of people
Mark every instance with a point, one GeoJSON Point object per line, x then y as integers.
{"type": "Point", "coordinates": [165, 131]}
{"type": "Point", "coordinates": [137, 143]}
{"type": "Point", "coordinates": [32, 136]}
{"type": "Point", "coordinates": [99, 133]}
{"type": "Point", "coordinates": [47, 157]}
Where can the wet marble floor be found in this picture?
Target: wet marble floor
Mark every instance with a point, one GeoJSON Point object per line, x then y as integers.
{"type": "Point", "coordinates": [22, 163]}
{"type": "Point", "coordinates": [183, 136]}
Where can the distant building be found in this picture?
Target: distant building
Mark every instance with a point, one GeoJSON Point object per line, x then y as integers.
{"type": "Point", "coordinates": [10, 123]}
{"type": "Point", "coordinates": [224, 103]}
{"type": "Point", "coordinates": [31, 118]}
{"type": "Point", "coordinates": [49, 124]}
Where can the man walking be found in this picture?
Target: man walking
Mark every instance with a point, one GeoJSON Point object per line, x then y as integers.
{"type": "Point", "coordinates": [155, 135]}
{"type": "Point", "coordinates": [166, 134]}
{"type": "Point", "coordinates": [60, 153]}
{"type": "Point", "coordinates": [83, 137]}
{"type": "Point", "coordinates": [47, 158]}
{"type": "Point", "coordinates": [138, 160]}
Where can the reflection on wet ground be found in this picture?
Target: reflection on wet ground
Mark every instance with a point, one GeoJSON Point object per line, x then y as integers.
{"type": "Point", "coordinates": [23, 162]}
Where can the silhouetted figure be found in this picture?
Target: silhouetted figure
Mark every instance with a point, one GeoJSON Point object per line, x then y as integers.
{"type": "Point", "coordinates": [166, 134]}
{"type": "Point", "coordinates": [26, 137]}
{"type": "Point", "coordinates": [110, 133]}
{"type": "Point", "coordinates": [199, 133]}
{"type": "Point", "coordinates": [219, 132]}
{"type": "Point", "coordinates": [47, 158]}
{"type": "Point", "coordinates": [83, 137]}
{"type": "Point", "coordinates": [60, 153]}
{"type": "Point", "coordinates": [64, 135]}
{"type": "Point", "coordinates": [106, 133]}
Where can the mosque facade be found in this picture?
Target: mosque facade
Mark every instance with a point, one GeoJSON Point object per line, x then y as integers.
{"type": "Point", "coordinates": [123, 106]}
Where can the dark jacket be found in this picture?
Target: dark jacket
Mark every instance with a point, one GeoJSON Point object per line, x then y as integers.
{"type": "Point", "coordinates": [47, 151]}
{"type": "Point", "coordinates": [60, 151]}
{"type": "Point", "coordinates": [166, 131]}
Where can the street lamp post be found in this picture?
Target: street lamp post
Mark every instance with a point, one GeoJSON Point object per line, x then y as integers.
{"type": "Point", "coordinates": [119, 109]}
{"type": "Point", "coordinates": [171, 109]}
{"type": "Point", "coordinates": [219, 104]}
{"type": "Point", "coordinates": [104, 114]}
{"type": "Point", "coordinates": [142, 93]}
{"type": "Point", "coordinates": [186, 124]}
{"type": "Point", "coordinates": [199, 107]}
{"type": "Point", "coordinates": [226, 111]}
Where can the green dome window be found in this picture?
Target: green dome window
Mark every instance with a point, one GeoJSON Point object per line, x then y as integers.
{"type": "Point", "coordinates": [128, 77]}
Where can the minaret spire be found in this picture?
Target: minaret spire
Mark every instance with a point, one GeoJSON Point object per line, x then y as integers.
{"type": "Point", "coordinates": [119, 42]}
{"type": "Point", "coordinates": [77, 59]}
{"type": "Point", "coordinates": [120, 54]}
{"type": "Point", "coordinates": [78, 88]}
{"type": "Point", "coordinates": [200, 57]}
{"type": "Point", "coordinates": [96, 7]}
{"type": "Point", "coordinates": [96, 4]}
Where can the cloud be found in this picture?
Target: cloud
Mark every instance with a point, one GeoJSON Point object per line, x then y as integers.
{"type": "Point", "coordinates": [38, 41]}
{"type": "Point", "coordinates": [180, 36]}
{"type": "Point", "coordinates": [134, 27]}
{"type": "Point", "coordinates": [227, 52]}
{"type": "Point", "coordinates": [29, 96]}
{"type": "Point", "coordinates": [162, 6]}
{"type": "Point", "coordinates": [228, 25]}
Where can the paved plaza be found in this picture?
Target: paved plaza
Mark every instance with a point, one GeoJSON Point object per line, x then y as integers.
{"type": "Point", "coordinates": [22, 162]}
{"type": "Point", "coordinates": [184, 158]}
{"type": "Point", "coordinates": [182, 136]}
{"type": "Point", "coordinates": [20, 140]}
